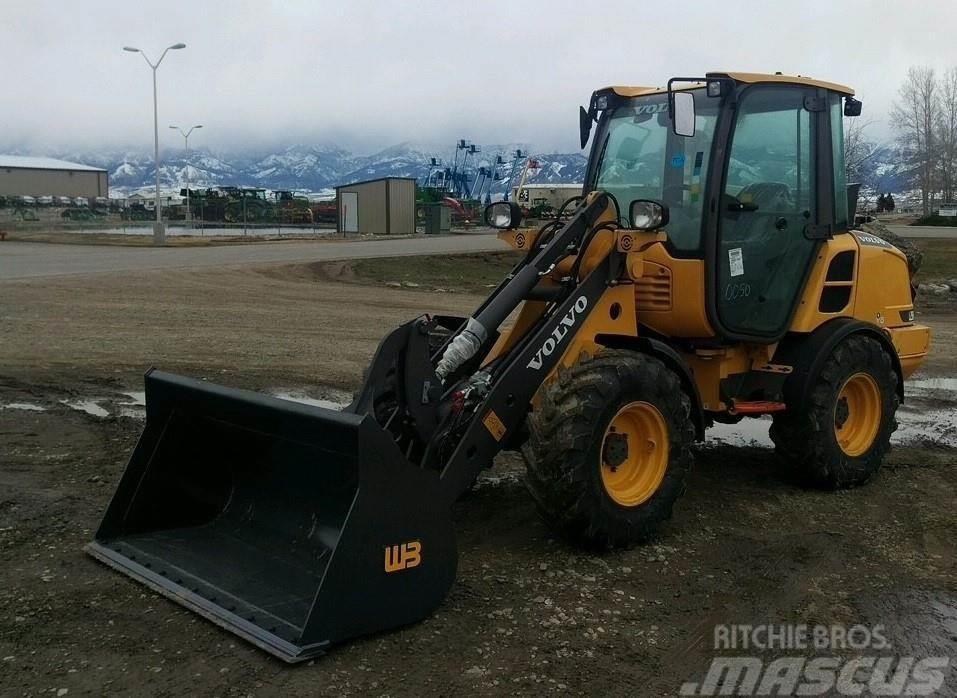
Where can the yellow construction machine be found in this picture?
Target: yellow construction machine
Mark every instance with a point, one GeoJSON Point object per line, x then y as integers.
{"type": "Point", "coordinates": [709, 272]}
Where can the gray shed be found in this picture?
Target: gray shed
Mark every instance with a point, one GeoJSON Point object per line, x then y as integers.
{"type": "Point", "coordinates": [384, 206]}
{"type": "Point", "coordinates": [36, 176]}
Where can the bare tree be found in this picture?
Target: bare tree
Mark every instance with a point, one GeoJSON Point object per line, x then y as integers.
{"type": "Point", "coordinates": [947, 134]}
{"type": "Point", "coordinates": [915, 116]}
{"type": "Point", "coordinates": [858, 150]}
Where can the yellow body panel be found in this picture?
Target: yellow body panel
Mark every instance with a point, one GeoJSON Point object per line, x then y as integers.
{"type": "Point", "coordinates": [668, 296]}
{"type": "Point", "coordinates": [685, 315]}
{"type": "Point", "coordinates": [912, 344]}
{"type": "Point", "coordinates": [883, 285]}
{"type": "Point", "coordinates": [808, 316]}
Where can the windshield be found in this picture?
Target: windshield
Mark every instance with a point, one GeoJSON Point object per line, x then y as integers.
{"type": "Point", "coordinates": [640, 158]}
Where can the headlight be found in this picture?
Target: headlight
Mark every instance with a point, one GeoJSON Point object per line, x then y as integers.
{"type": "Point", "coordinates": [503, 214]}
{"type": "Point", "coordinates": [646, 214]}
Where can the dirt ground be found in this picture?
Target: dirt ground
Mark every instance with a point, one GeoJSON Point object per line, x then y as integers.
{"type": "Point", "coordinates": [527, 614]}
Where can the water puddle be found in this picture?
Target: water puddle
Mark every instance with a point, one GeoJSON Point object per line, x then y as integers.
{"type": "Point", "coordinates": [298, 396]}
{"type": "Point", "coordinates": [929, 415]}
{"type": "Point", "coordinates": [923, 418]}
{"type": "Point", "coordinates": [136, 398]}
{"type": "Point", "coordinates": [90, 407]}
{"type": "Point", "coordinates": [948, 385]}
{"type": "Point", "coordinates": [29, 407]}
{"type": "Point", "coordinates": [747, 432]}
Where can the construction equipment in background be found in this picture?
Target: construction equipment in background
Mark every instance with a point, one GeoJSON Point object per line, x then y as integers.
{"type": "Point", "coordinates": [518, 156]}
{"type": "Point", "coordinates": [292, 208]}
{"type": "Point", "coordinates": [708, 273]}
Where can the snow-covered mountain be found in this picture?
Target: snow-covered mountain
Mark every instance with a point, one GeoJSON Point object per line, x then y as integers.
{"type": "Point", "coordinates": [312, 168]}
{"type": "Point", "coordinates": [320, 168]}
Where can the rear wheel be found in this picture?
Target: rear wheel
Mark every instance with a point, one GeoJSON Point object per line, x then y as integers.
{"type": "Point", "coordinates": [842, 436]}
{"type": "Point", "coordinates": [609, 448]}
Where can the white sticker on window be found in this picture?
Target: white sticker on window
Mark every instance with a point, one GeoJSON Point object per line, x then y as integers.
{"type": "Point", "coordinates": [736, 260]}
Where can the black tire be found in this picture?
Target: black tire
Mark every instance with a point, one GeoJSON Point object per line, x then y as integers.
{"type": "Point", "coordinates": [563, 454]}
{"type": "Point", "coordinates": [808, 441]}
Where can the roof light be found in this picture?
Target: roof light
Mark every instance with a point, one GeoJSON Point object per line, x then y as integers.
{"type": "Point", "coordinates": [714, 88]}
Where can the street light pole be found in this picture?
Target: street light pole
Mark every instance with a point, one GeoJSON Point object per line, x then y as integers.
{"type": "Point", "coordinates": [159, 231]}
{"type": "Point", "coordinates": [189, 211]}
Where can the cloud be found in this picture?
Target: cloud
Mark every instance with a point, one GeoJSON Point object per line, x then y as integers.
{"type": "Point", "coordinates": [367, 74]}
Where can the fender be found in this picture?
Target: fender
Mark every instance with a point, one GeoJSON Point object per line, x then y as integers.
{"type": "Point", "coordinates": [670, 358]}
{"type": "Point", "coordinates": [808, 352]}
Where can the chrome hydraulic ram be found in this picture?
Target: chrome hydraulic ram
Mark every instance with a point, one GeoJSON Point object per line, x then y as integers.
{"type": "Point", "coordinates": [498, 307]}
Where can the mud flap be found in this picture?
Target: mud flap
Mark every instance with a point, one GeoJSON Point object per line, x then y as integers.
{"type": "Point", "coordinates": [293, 526]}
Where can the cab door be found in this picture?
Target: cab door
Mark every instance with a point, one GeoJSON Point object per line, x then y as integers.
{"type": "Point", "coordinates": [768, 210]}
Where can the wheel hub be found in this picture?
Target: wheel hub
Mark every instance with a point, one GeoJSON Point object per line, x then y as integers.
{"type": "Point", "coordinates": [857, 414]}
{"type": "Point", "coordinates": [634, 454]}
{"type": "Point", "coordinates": [841, 412]}
{"type": "Point", "coordinates": [616, 449]}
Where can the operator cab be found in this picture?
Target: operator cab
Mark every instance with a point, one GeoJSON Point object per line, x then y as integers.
{"type": "Point", "coordinates": [750, 171]}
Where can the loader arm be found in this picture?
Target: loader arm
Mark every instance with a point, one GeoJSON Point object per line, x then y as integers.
{"type": "Point", "coordinates": [296, 526]}
{"type": "Point", "coordinates": [444, 412]}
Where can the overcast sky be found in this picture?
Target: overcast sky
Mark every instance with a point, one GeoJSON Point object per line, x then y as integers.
{"type": "Point", "coordinates": [370, 74]}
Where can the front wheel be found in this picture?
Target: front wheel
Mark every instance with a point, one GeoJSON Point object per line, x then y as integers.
{"type": "Point", "coordinates": [841, 437]}
{"type": "Point", "coordinates": [609, 448]}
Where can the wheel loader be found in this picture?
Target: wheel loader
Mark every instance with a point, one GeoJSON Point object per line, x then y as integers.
{"type": "Point", "coordinates": [707, 273]}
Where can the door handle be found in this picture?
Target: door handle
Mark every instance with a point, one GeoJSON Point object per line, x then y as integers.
{"type": "Point", "coordinates": [781, 223]}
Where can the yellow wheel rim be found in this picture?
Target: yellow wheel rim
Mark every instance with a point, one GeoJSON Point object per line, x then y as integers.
{"type": "Point", "coordinates": [634, 454]}
{"type": "Point", "coordinates": [857, 414]}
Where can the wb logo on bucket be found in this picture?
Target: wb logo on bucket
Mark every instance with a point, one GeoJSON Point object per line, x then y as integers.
{"type": "Point", "coordinates": [403, 556]}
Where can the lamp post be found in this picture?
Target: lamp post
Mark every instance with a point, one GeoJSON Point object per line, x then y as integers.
{"type": "Point", "coordinates": [185, 134]}
{"type": "Point", "coordinates": [159, 231]}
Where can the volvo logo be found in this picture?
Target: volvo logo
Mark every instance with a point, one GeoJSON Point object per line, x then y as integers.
{"type": "Point", "coordinates": [559, 333]}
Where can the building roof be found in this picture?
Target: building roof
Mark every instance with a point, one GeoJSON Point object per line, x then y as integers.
{"type": "Point", "coordinates": [370, 181]}
{"type": "Point", "coordinates": [25, 162]}
{"type": "Point", "coordinates": [623, 91]}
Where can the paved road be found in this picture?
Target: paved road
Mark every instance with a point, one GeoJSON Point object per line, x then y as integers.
{"type": "Point", "coordinates": [923, 231]}
{"type": "Point", "coordinates": [24, 260]}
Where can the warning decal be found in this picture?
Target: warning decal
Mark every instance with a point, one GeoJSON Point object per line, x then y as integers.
{"type": "Point", "coordinates": [736, 260]}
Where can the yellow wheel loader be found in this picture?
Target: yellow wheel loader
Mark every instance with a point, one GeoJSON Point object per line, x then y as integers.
{"type": "Point", "coordinates": [708, 272]}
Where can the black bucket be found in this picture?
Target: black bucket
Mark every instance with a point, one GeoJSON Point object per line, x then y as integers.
{"type": "Point", "coordinates": [291, 525]}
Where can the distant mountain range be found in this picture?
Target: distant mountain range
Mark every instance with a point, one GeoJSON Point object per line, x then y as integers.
{"type": "Point", "coordinates": [320, 168]}
{"type": "Point", "coordinates": [309, 168]}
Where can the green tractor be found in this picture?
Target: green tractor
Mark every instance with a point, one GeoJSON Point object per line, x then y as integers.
{"type": "Point", "coordinates": [248, 205]}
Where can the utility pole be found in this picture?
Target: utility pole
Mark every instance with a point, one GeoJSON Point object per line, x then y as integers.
{"type": "Point", "coordinates": [159, 230]}
{"type": "Point", "coordinates": [189, 211]}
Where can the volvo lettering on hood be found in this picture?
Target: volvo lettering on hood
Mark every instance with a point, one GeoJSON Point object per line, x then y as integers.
{"type": "Point", "coordinates": [559, 333]}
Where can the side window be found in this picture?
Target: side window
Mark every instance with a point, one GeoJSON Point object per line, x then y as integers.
{"type": "Point", "coordinates": [771, 153]}
{"type": "Point", "coordinates": [769, 199]}
{"type": "Point", "coordinates": [841, 213]}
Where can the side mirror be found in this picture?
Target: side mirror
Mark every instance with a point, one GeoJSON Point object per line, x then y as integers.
{"type": "Point", "coordinates": [682, 113]}
{"type": "Point", "coordinates": [852, 107]}
{"type": "Point", "coordinates": [646, 214]}
{"type": "Point", "coordinates": [504, 215]}
{"type": "Point", "coordinates": [584, 125]}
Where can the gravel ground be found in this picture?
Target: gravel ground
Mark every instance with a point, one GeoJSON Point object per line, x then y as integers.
{"type": "Point", "coordinates": [528, 613]}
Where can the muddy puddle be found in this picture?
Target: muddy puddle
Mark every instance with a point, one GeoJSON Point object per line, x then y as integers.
{"type": "Point", "coordinates": [334, 401]}
{"type": "Point", "coordinates": [929, 415]}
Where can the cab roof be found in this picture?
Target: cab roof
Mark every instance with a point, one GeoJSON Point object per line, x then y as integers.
{"type": "Point", "coordinates": [635, 91]}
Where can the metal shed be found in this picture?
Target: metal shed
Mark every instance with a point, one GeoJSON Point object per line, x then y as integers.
{"type": "Point", "coordinates": [30, 176]}
{"type": "Point", "coordinates": [384, 206]}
